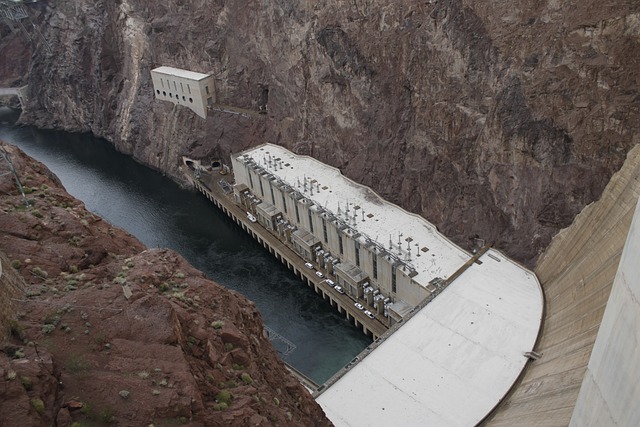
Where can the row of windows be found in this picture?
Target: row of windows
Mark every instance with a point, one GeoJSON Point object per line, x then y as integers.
{"type": "Point", "coordinates": [171, 95]}
{"type": "Point", "coordinates": [175, 87]}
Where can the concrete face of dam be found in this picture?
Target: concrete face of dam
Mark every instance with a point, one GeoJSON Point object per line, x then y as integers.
{"type": "Point", "coordinates": [577, 273]}
{"type": "Point", "coordinates": [610, 390]}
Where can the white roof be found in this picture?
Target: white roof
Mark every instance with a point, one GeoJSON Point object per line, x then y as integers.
{"type": "Point", "coordinates": [453, 361]}
{"type": "Point", "coordinates": [191, 75]}
{"type": "Point", "coordinates": [389, 221]}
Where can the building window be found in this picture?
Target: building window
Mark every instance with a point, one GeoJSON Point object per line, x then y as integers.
{"type": "Point", "coordinates": [375, 266]}
{"type": "Point", "coordinates": [250, 177]}
{"type": "Point", "coordinates": [261, 187]}
{"type": "Point", "coordinates": [297, 213]}
{"type": "Point", "coordinates": [273, 197]}
{"type": "Point", "coordinates": [310, 221]}
{"type": "Point", "coordinates": [164, 93]}
{"type": "Point", "coordinates": [170, 95]}
{"type": "Point", "coordinates": [177, 97]}
{"type": "Point", "coordinates": [162, 83]}
{"type": "Point", "coordinates": [284, 203]}
{"type": "Point", "coordinates": [357, 246]}
{"type": "Point", "coordinates": [183, 98]}
{"type": "Point", "coordinates": [181, 87]}
{"type": "Point", "coordinates": [191, 100]}
{"type": "Point", "coordinates": [340, 244]}
{"type": "Point", "coordinates": [158, 91]}
{"type": "Point", "coordinates": [393, 279]}
{"type": "Point", "coordinates": [175, 86]}
{"type": "Point", "coordinates": [189, 88]}
{"type": "Point", "coordinates": [206, 88]}
{"type": "Point", "coordinates": [324, 230]}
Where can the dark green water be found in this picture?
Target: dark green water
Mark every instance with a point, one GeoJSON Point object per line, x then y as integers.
{"type": "Point", "coordinates": [160, 214]}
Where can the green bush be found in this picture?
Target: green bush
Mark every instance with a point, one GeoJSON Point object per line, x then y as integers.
{"type": "Point", "coordinates": [224, 396]}
{"type": "Point", "coordinates": [26, 383]}
{"type": "Point", "coordinates": [246, 378]}
{"type": "Point", "coordinates": [228, 346]}
{"type": "Point", "coordinates": [39, 272]}
{"type": "Point", "coordinates": [16, 264]}
{"type": "Point", "coordinates": [37, 404]}
{"type": "Point", "coordinates": [218, 324]}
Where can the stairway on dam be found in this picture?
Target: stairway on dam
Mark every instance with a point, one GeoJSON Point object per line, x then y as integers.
{"type": "Point", "coordinates": [577, 272]}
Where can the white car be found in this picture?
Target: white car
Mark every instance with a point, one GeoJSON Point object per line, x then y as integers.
{"type": "Point", "coordinates": [369, 314]}
{"type": "Point", "coordinates": [251, 217]}
{"type": "Point", "coordinates": [359, 306]}
{"type": "Point", "coordinates": [319, 274]}
{"type": "Point", "coordinates": [330, 282]}
{"type": "Point", "coordinates": [308, 265]}
{"type": "Point", "coordinates": [339, 289]}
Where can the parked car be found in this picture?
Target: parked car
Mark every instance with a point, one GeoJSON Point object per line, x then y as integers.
{"type": "Point", "coordinates": [319, 274]}
{"type": "Point", "coordinates": [251, 217]}
{"type": "Point", "coordinates": [359, 306]}
{"type": "Point", "coordinates": [308, 265]}
{"type": "Point", "coordinates": [369, 314]}
{"type": "Point", "coordinates": [339, 289]}
{"type": "Point", "coordinates": [330, 282]}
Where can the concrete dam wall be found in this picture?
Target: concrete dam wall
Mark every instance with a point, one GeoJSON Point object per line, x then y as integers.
{"type": "Point", "coordinates": [577, 273]}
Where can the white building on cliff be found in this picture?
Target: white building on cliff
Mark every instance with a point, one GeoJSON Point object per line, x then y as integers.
{"type": "Point", "coordinates": [182, 87]}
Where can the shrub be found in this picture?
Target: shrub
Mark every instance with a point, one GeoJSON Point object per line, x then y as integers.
{"type": "Point", "coordinates": [224, 396]}
{"type": "Point", "coordinates": [228, 346]}
{"type": "Point", "coordinates": [16, 264]}
{"type": "Point", "coordinates": [37, 404]}
{"type": "Point", "coordinates": [76, 364]}
{"type": "Point", "coordinates": [39, 272]}
{"type": "Point", "coordinates": [36, 213]}
{"type": "Point", "coordinates": [124, 394]}
{"type": "Point", "coordinates": [218, 324]}
{"type": "Point", "coordinates": [26, 383]}
{"type": "Point", "coordinates": [246, 378]}
{"type": "Point", "coordinates": [220, 406]}
{"type": "Point", "coordinates": [17, 330]}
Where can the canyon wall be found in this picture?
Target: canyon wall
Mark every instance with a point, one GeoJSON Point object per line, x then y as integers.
{"type": "Point", "coordinates": [498, 119]}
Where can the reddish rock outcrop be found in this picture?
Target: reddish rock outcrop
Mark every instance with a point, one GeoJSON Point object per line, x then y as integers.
{"type": "Point", "coordinates": [500, 119]}
{"type": "Point", "coordinates": [111, 332]}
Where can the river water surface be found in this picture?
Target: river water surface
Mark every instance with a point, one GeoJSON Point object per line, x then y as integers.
{"type": "Point", "coordinates": [161, 214]}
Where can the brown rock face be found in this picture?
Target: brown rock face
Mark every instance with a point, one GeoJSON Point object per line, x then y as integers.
{"type": "Point", "coordinates": [180, 350]}
{"type": "Point", "coordinates": [499, 119]}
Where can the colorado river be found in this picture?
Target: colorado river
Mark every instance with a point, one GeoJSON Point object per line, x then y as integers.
{"type": "Point", "coordinates": [161, 214]}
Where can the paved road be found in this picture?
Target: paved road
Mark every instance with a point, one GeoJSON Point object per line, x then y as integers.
{"type": "Point", "coordinates": [9, 91]}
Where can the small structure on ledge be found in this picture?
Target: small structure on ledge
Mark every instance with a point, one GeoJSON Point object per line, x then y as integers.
{"type": "Point", "coordinates": [183, 87]}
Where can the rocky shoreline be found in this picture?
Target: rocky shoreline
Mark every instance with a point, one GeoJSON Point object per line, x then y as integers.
{"type": "Point", "coordinates": [111, 332]}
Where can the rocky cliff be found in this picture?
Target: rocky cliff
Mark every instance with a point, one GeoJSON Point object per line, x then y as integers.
{"type": "Point", "coordinates": [111, 333]}
{"type": "Point", "coordinates": [498, 119]}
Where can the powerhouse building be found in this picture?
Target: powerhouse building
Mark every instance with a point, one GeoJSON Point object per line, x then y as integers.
{"type": "Point", "coordinates": [182, 87]}
{"type": "Point", "coordinates": [378, 252]}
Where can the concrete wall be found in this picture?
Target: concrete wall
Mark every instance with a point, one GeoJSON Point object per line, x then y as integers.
{"type": "Point", "coordinates": [610, 392]}
{"type": "Point", "coordinates": [576, 272]}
